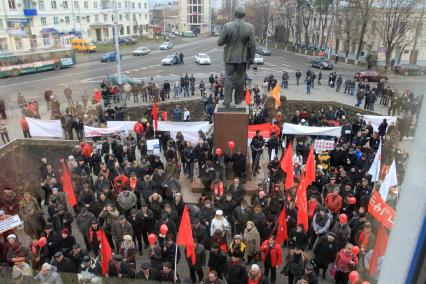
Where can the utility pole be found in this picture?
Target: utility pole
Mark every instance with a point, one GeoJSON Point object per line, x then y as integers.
{"type": "Point", "coordinates": [267, 23]}
{"type": "Point", "coordinates": [117, 44]}
{"type": "Point", "coordinates": [414, 52]}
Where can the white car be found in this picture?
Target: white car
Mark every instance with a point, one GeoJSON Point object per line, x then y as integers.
{"type": "Point", "coordinates": [169, 60]}
{"type": "Point", "coordinates": [141, 51]}
{"type": "Point", "coordinates": [202, 58]}
{"type": "Point", "coordinates": [166, 45]}
{"type": "Point", "coordinates": [258, 59]}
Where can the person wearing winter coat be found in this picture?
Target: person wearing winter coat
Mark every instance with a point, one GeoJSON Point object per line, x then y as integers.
{"type": "Point", "coordinates": [237, 247]}
{"type": "Point", "coordinates": [241, 215]}
{"type": "Point", "coordinates": [296, 261]}
{"type": "Point", "coordinates": [298, 237]}
{"type": "Point", "coordinates": [345, 262]}
{"type": "Point", "coordinates": [219, 223]}
{"type": "Point", "coordinates": [126, 200]}
{"type": "Point", "coordinates": [119, 268]}
{"type": "Point", "coordinates": [325, 252]}
{"type": "Point", "coordinates": [66, 241]}
{"type": "Point", "coordinates": [271, 257]}
{"type": "Point", "coordinates": [128, 250]}
{"type": "Point", "coordinates": [121, 228]}
{"type": "Point", "coordinates": [48, 275]}
{"type": "Point", "coordinates": [200, 232]}
{"type": "Point", "coordinates": [235, 271]}
{"type": "Point", "coordinates": [320, 225]}
{"type": "Point", "coordinates": [84, 221]}
{"type": "Point", "coordinates": [62, 219]}
{"type": "Point", "coordinates": [155, 255]}
{"type": "Point", "coordinates": [255, 276]}
{"type": "Point", "coordinates": [34, 223]}
{"type": "Point", "coordinates": [63, 263]}
{"type": "Point", "coordinates": [343, 234]}
{"type": "Point", "coordinates": [251, 239]}
{"type": "Point", "coordinates": [200, 261]}
{"type": "Point", "coordinates": [217, 260]}
{"type": "Point", "coordinates": [333, 201]}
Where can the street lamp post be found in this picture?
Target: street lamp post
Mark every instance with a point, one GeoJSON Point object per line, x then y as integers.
{"type": "Point", "coordinates": [117, 44]}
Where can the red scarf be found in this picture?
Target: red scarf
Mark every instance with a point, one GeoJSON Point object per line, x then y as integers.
{"type": "Point", "coordinates": [218, 189]}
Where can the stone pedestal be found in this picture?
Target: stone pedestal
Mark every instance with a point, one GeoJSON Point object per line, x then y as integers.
{"type": "Point", "coordinates": [231, 124]}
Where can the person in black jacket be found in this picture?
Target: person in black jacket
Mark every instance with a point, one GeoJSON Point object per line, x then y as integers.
{"type": "Point", "coordinates": [168, 275]}
{"type": "Point", "coordinates": [62, 219]}
{"type": "Point", "coordinates": [298, 237]}
{"type": "Point", "coordinates": [239, 164]}
{"type": "Point", "coordinates": [310, 275]}
{"type": "Point", "coordinates": [235, 271]}
{"type": "Point", "coordinates": [52, 239]}
{"type": "Point", "coordinates": [325, 252]}
{"type": "Point", "coordinates": [217, 260]}
{"type": "Point", "coordinates": [119, 268]}
{"type": "Point", "coordinates": [62, 263]}
{"type": "Point", "coordinates": [90, 265]}
{"type": "Point", "coordinates": [147, 273]}
{"type": "Point", "coordinates": [200, 232]}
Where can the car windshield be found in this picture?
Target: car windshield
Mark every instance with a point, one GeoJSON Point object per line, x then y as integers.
{"type": "Point", "coordinates": [203, 55]}
{"type": "Point", "coordinates": [170, 56]}
{"type": "Point", "coordinates": [258, 56]}
{"type": "Point", "coordinates": [165, 43]}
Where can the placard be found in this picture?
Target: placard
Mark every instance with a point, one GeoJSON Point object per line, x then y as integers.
{"type": "Point", "coordinates": [381, 210]}
{"type": "Point", "coordinates": [10, 223]}
{"type": "Point", "coordinates": [153, 146]}
{"type": "Point", "coordinates": [323, 145]}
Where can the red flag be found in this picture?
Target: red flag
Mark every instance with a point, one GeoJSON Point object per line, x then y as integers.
{"type": "Point", "coordinates": [248, 97]}
{"type": "Point", "coordinates": [184, 237]}
{"type": "Point", "coordinates": [106, 251]}
{"type": "Point", "coordinates": [154, 114]}
{"type": "Point", "coordinates": [286, 165]}
{"type": "Point", "coordinates": [310, 167]}
{"type": "Point", "coordinates": [379, 250]}
{"type": "Point", "coordinates": [302, 204]}
{"type": "Point", "coordinates": [282, 228]}
{"type": "Point", "coordinates": [67, 185]}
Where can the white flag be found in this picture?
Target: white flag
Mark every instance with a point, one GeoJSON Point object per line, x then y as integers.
{"type": "Point", "coordinates": [374, 170]}
{"type": "Point", "coordinates": [389, 181]}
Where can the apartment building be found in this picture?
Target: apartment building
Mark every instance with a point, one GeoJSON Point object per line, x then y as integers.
{"type": "Point", "coordinates": [194, 16]}
{"type": "Point", "coordinates": [32, 24]}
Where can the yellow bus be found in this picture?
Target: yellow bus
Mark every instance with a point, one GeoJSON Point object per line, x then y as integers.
{"type": "Point", "coordinates": [83, 45]}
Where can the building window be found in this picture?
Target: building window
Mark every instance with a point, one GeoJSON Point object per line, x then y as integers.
{"type": "Point", "coordinates": [43, 21]}
{"type": "Point", "coordinates": [67, 19]}
{"type": "Point", "coordinates": [96, 18]}
{"type": "Point", "coordinates": [119, 5]}
{"type": "Point", "coordinates": [146, 16]}
{"type": "Point", "coordinates": [41, 4]}
{"type": "Point", "coordinates": [112, 18]}
{"type": "Point", "coordinates": [76, 4]}
{"type": "Point", "coordinates": [140, 16]}
{"type": "Point", "coordinates": [12, 5]}
{"type": "Point", "coordinates": [55, 20]}
{"type": "Point", "coordinates": [126, 4]}
{"type": "Point", "coordinates": [77, 19]}
{"type": "Point", "coordinates": [135, 29]}
{"type": "Point", "coordinates": [133, 5]}
{"type": "Point", "coordinates": [95, 5]}
{"type": "Point", "coordinates": [105, 18]}
{"type": "Point", "coordinates": [88, 19]}
{"type": "Point", "coordinates": [46, 39]}
{"type": "Point", "coordinates": [144, 5]}
{"type": "Point", "coordinates": [65, 5]}
{"type": "Point", "coordinates": [18, 43]}
{"type": "Point", "coordinates": [86, 5]}
{"type": "Point", "coordinates": [121, 31]}
{"type": "Point", "coordinates": [121, 17]}
{"type": "Point", "coordinates": [3, 44]}
{"type": "Point", "coordinates": [128, 30]}
{"type": "Point", "coordinates": [1, 24]}
{"type": "Point", "coordinates": [139, 5]}
{"type": "Point", "coordinates": [53, 4]}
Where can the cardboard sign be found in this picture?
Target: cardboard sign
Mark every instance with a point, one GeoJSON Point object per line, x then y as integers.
{"type": "Point", "coordinates": [10, 223]}
{"type": "Point", "coordinates": [381, 210]}
{"type": "Point", "coordinates": [153, 146]}
{"type": "Point", "coordinates": [323, 145]}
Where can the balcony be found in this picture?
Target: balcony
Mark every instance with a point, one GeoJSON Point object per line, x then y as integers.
{"type": "Point", "coordinates": [30, 12]}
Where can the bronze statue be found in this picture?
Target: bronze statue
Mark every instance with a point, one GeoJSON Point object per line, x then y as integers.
{"type": "Point", "coordinates": [240, 48]}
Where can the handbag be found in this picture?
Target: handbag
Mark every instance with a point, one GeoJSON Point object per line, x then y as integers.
{"type": "Point", "coordinates": [333, 271]}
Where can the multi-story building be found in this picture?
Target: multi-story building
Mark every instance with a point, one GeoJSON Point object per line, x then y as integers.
{"type": "Point", "coordinates": [194, 15]}
{"type": "Point", "coordinates": [31, 24]}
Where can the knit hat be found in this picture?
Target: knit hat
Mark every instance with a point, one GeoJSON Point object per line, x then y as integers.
{"type": "Point", "coordinates": [127, 238]}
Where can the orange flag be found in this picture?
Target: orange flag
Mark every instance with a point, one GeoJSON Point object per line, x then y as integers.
{"type": "Point", "coordinates": [302, 204]}
{"type": "Point", "coordinates": [286, 165]}
{"type": "Point", "coordinates": [106, 251]}
{"type": "Point", "coordinates": [248, 97]}
{"type": "Point", "coordinates": [310, 167]}
{"type": "Point", "coordinates": [379, 250]}
{"type": "Point", "coordinates": [282, 228]}
{"type": "Point", "coordinates": [154, 114]}
{"type": "Point", "coordinates": [67, 185]}
{"type": "Point", "coordinates": [184, 237]}
{"type": "Point", "coordinates": [275, 93]}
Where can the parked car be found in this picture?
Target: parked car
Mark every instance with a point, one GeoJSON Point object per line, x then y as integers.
{"type": "Point", "coordinates": [410, 69]}
{"type": "Point", "coordinates": [321, 63]}
{"type": "Point", "coordinates": [202, 59]}
{"type": "Point", "coordinates": [113, 79]}
{"type": "Point", "coordinates": [166, 45]}
{"type": "Point", "coordinates": [170, 35]}
{"type": "Point", "coordinates": [258, 59]}
{"type": "Point", "coordinates": [170, 60]}
{"type": "Point", "coordinates": [109, 56]}
{"type": "Point", "coordinates": [141, 51]}
{"type": "Point", "coordinates": [127, 40]}
{"type": "Point", "coordinates": [370, 76]}
{"type": "Point", "coordinates": [188, 34]}
{"type": "Point", "coordinates": [263, 51]}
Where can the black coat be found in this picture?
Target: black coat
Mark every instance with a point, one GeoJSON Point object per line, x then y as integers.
{"type": "Point", "coordinates": [66, 265]}
{"type": "Point", "coordinates": [124, 269]}
{"type": "Point", "coordinates": [217, 261]}
{"type": "Point", "coordinates": [297, 239]}
{"type": "Point", "coordinates": [152, 276]}
{"type": "Point", "coordinates": [325, 252]}
{"type": "Point", "coordinates": [235, 274]}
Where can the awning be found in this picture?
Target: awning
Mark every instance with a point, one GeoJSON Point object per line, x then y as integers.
{"type": "Point", "coordinates": [49, 31]}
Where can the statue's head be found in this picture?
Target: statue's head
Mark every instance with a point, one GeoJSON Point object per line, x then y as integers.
{"type": "Point", "coordinates": [240, 12]}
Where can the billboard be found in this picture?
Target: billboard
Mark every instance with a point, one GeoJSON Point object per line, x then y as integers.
{"type": "Point", "coordinates": [18, 27]}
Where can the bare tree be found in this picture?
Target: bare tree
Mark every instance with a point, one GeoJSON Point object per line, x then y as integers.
{"type": "Point", "coordinates": [364, 7]}
{"type": "Point", "coordinates": [397, 23]}
{"type": "Point", "coordinates": [323, 8]}
{"type": "Point", "coordinates": [307, 12]}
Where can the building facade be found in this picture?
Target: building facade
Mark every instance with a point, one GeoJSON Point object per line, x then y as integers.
{"type": "Point", "coordinates": [194, 15]}
{"type": "Point", "coordinates": [32, 24]}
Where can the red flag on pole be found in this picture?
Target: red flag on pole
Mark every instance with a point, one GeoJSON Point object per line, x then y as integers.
{"type": "Point", "coordinates": [282, 228]}
{"type": "Point", "coordinates": [248, 97]}
{"type": "Point", "coordinates": [106, 251]}
{"type": "Point", "coordinates": [379, 250]}
{"type": "Point", "coordinates": [184, 236]}
{"type": "Point", "coordinates": [67, 185]}
{"type": "Point", "coordinates": [286, 165]}
{"type": "Point", "coordinates": [302, 204]}
{"type": "Point", "coordinates": [154, 114]}
{"type": "Point", "coordinates": [310, 168]}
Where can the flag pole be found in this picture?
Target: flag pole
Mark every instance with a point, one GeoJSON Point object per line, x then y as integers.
{"type": "Point", "coordinates": [176, 252]}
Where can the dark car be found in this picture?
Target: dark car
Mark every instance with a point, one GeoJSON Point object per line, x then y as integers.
{"type": "Point", "coordinates": [370, 76]}
{"type": "Point", "coordinates": [321, 63]}
{"type": "Point", "coordinates": [108, 57]}
{"type": "Point", "coordinates": [263, 51]}
{"type": "Point", "coordinates": [113, 79]}
{"type": "Point", "coordinates": [410, 69]}
{"type": "Point", "coordinates": [127, 40]}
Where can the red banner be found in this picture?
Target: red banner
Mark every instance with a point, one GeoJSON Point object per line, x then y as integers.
{"type": "Point", "coordinates": [381, 210]}
{"type": "Point", "coordinates": [266, 130]}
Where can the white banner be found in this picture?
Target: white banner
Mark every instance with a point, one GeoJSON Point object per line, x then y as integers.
{"type": "Point", "coordinates": [323, 145]}
{"type": "Point", "coordinates": [9, 223]}
{"type": "Point", "coordinates": [45, 128]}
{"type": "Point", "coordinates": [154, 146]}
{"type": "Point", "coordinates": [376, 120]}
{"type": "Point", "coordinates": [96, 132]}
{"type": "Point", "coordinates": [294, 129]}
{"type": "Point", "coordinates": [188, 129]}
